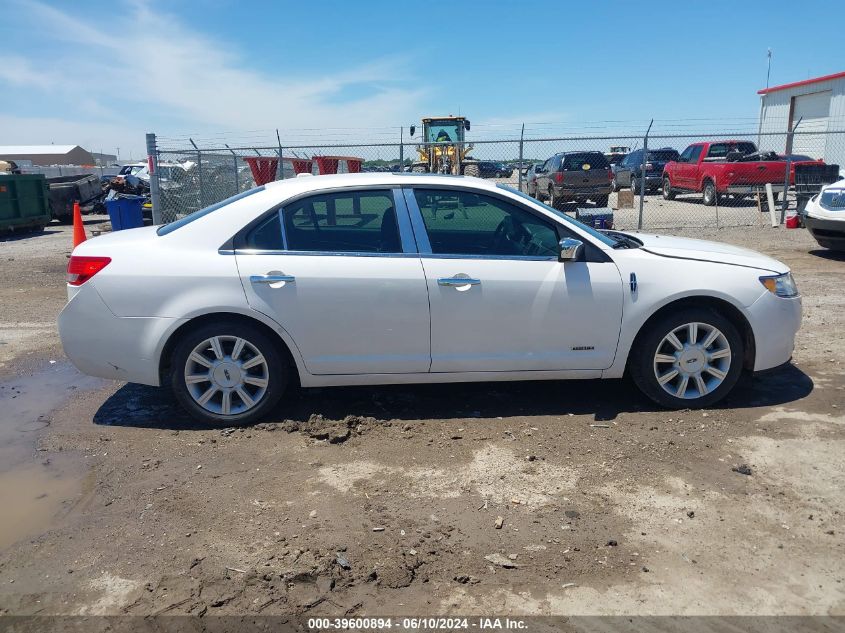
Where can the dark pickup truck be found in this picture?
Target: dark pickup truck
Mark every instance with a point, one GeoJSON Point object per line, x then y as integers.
{"type": "Point", "coordinates": [574, 177]}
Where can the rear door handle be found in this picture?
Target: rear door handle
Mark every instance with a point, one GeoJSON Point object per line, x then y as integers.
{"type": "Point", "coordinates": [272, 279]}
{"type": "Point", "coordinates": [458, 281]}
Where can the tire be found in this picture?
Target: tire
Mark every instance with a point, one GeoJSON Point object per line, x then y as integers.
{"type": "Point", "coordinates": [554, 202]}
{"type": "Point", "coordinates": [473, 171]}
{"type": "Point", "coordinates": [264, 382]}
{"type": "Point", "coordinates": [709, 193]}
{"type": "Point", "coordinates": [601, 201]}
{"type": "Point", "coordinates": [614, 184]}
{"type": "Point", "coordinates": [635, 186]}
{"type": "Point", "coordinates": [668, 192]}
{"type": "Point", "coordinates": [653, 351]}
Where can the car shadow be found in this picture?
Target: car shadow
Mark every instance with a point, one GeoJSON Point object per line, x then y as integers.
{"type": "Point", "coordinates": [156, 408]}
{"type": "Point", "coordinates": [25, 235]}
{"type": "Point", "coordinates": [823, 253]}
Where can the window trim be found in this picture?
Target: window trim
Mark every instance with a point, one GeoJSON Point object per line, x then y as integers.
{"type": "Point", "coordinates": [403, 224]}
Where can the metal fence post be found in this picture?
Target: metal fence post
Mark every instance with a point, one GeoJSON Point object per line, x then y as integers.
{"type": "Point", "coordinates": [401, 149]}
{"type": "Point", "coordinates": [199, 175]}
{"type": "Point", "coordinates": [235, 168]}
{"type": "Point", "coordinates": [520, 165]}
{"type": "Point", "coordinates": [642, 176]}
{"type": "Point", "coordinates": [281, 158]}
{"type": "Point", "coordinates": [155, 189]}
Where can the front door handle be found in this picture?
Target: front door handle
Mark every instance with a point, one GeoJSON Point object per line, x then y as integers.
{"type": "Point", "coordinates": [272, 279]}
{"type": "Point", "coordinates": [458, 281]}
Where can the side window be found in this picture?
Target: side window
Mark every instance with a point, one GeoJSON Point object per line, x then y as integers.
{"type": "Point", "coordinates": [717, 150]}
{"type": "Point", "coordinates": [465, 223]}
{"type": "Point", "coordinates": [267, 235]}
{"type": "Point", "coordinates": [346, 222]}
{"type": "Point", "coordinates": [685, 155]}
{"type": "Point", "coordinates": [696, 152]}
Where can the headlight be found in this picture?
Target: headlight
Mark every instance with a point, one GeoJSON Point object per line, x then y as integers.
{"type": "Point", "coordinates": [780, 285]}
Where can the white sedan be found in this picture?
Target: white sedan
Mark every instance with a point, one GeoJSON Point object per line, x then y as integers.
{"type": "Point", "coordinates": [824, 216]}
{"type": "Point", "coordinates": [364, 279]}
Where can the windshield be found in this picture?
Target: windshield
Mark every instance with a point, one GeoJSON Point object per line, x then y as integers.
{"type": "Point", "coordinates": [833, 199]}
{"type": "Point", "coordinates": [585, 161]}
{"type": "Point", "coordinates": [601, 237]}
{"type": "Point", "coordinates": [444, 132]}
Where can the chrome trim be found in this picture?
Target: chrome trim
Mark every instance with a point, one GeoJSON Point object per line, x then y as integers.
{"type": "Point", "coordinates": [524, 258]}
{"type": "Point", "coordinates": [272, 279]}
{"type": "Point", "coordinates": [249, 251]}
{"type": "Point", "coordinates": [458, 281]}
{"type": "Point", "coordinates": [570, 249]}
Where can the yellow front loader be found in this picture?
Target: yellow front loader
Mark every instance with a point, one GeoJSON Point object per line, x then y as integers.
{"type": "Point", "coordinates": [444, 149]}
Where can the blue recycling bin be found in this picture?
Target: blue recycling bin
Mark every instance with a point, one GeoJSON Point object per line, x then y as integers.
{"type": "Point", "coordinates": [125, 212]}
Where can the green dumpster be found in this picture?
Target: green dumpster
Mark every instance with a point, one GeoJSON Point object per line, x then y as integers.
{"type": "Point", "coordinates": [24, 202]}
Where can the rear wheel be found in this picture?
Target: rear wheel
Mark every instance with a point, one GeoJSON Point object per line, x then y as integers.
{"type": "Point", "coordinates": [635, 185]}
{"type": "Point", "coordinates": [692, 358]}
{"type": "Point", "coordinates": [228, 373]}
{"type": "Point", "coordinates": [614, 184]}
{"type": "Point", "coordinates": [554, 201]}
{"type": "Point", "coordinates": [472, 170]}
{"type": "Point", "coordinates": [709, 193]}
{"type": "Point", "coordinates": [668, 192]}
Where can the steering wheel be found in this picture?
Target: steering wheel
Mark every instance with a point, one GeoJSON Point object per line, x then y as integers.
{"type": "Point", "coordinates": [510, 236]}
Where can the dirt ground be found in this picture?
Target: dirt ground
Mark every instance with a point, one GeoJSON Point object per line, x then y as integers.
{"type": "Point", "coordinates": [522, 498]}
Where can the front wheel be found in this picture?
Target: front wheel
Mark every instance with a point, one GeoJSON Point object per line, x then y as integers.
{"type": "Point", "coordinates": [668, 193]}
{"type": "Point", "coordinates": [227, 373]}
{"type": "Point", "coordinates": [689, 359]}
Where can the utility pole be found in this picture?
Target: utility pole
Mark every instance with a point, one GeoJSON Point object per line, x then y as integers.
{"type": "Point", "coordinates": [769, 69]}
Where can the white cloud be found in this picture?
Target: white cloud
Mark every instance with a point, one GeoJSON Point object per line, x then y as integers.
{"type": "Point", "coordinates": [146, 69]}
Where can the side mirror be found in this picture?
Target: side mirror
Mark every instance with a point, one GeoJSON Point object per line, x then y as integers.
{"type": "Point", "coordinates": [570, 249]}
{"type": "Point", "coordinates": [413, 130]}
{"type": "Point", "coordinates": [466, 124]}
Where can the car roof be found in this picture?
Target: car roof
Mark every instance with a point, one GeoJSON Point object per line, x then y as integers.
{"type": "Point", "coordinates": [304, 184]}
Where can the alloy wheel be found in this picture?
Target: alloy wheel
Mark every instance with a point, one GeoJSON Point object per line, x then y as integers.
{"type": "Point", "coordinates": [692, 360]}
{"type": "Point", "coordinates": [226, 375]}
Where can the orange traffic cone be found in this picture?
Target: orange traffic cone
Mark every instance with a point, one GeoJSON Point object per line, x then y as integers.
{"type": "Point", "coordinates": [78, 228]}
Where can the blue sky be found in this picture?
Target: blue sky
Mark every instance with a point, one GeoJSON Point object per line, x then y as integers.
{"type": "Point", "coordinates": [100, 74]}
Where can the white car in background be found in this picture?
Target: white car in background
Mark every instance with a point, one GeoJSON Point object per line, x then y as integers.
{"type": "Point", "coordinates": [824, 216]}
{"type": "Point", "coordinates": [364, 279]}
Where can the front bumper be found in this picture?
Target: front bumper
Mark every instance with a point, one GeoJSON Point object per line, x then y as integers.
{"type": "Point", "coordinates": [101, 344]}
{"type": "Point", "coordinates": [775, 322]}
{"type": "Point", "coordinates": [828, 233]}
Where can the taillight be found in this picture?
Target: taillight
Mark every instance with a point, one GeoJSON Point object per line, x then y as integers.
{"type": "Point", "coordinates": [81, 268]}
{"type": "Point", "coordinates": [559, 177]}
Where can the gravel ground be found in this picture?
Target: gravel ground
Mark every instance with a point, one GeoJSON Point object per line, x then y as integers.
{"type": "Point", "coordinates": [519, 498]}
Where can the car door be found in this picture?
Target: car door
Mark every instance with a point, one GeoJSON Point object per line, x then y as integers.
{"type": "Point", "coordinates": [687, 168]}
{"type": "Point", "coordinates": [543, 178]}
{"type": "Point", "coordinates": [500, 299]}
{"type": "Point", "coordinates": [338, 270]}
{"type": "Point", "coordinates": [623, 173]}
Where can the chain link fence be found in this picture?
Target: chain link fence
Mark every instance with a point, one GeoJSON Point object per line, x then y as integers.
{"type": "Point", "coordinates": [190, 178]}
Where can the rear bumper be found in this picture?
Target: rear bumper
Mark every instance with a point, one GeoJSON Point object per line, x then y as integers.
{"type": "Point", "coordinates": [579, 193]}
{"type": "Point", "coordinates": [775, 322]}
{"type": "Point", "coordinates": [752, 189]}
{"type": "Point", "coordinates": [828, 233]}
{"type": "Point", "coordinates": [101, 344]}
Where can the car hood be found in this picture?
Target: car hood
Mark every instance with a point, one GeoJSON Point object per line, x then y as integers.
{"type": "Point", "coordinates": [702, 250]}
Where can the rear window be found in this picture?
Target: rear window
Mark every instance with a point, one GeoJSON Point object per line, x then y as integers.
{"type": "Point", "coordinates": [720, 150]}
{"type": "Point", "coordinates": [585, 161]}
{"type": "Point", "coordinates": [663, 156]}
{"type": "Point", "coordinates": [196, 215]}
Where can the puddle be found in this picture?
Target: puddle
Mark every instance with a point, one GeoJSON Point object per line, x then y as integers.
{"type": "Point", "coordinates": [35, 491]}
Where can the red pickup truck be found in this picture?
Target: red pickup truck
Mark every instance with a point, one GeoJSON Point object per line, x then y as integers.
{"type": "Point", "coordinates": [721, 168]}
